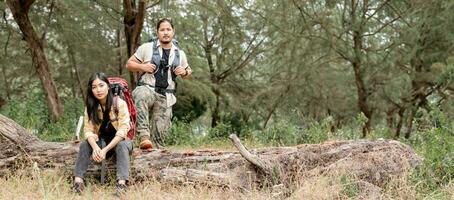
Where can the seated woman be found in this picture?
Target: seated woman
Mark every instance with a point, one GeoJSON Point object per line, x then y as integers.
{"type": "Point", "coordinates": [102, 125]}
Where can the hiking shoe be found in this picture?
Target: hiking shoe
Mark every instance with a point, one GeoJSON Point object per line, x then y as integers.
{"type": "Point", "coordinates": [78, 187]}
{"type": "Point", "coordinates": [145, 144]}
{"type": "Point", "coordinates": [121, 189]}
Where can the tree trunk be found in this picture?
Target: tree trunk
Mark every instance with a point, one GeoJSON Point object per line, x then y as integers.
{"type": "Point", "coordinates": [215, 113]}
{"type": "Point", "coordinates": [73, 87]}
{"type": "Point", "coordinates": [411, 116]}
{"type": "Point", "coordinates": [5, 78]}
{"type": "Point", "coordinates": [374, 162]}
{"type": "Point", "coordinates": [20, 10]}
{"type": "Point", "coordinates": [275, 105]}
{"type": "Point", "coordinates": [120, 52]}
{"type": "Point", "coordinates": [390, 119]}
{"type": "Point", "coordinates": [133, 23]}
{"type": "Point", "coordinates": [73, 62]}
{"type": "Point", "coordinates": [357, 64]}
{"type": "Point", "coordinates": [6, 83]}
{"type": "Point", "coordinates": [400, 122]}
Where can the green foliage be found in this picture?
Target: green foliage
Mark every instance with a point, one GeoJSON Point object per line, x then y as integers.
{"type": "Point", "coordinates": [236, 124]}
{"type": "Point", "coordinates": [193, 100]}
{"type": "Point", "coordinates": [32, 114]}
{"type": "Point", "coordinates": [349, 186]}
{"type": "Point", "coordinates": [282, 133]}
{"type": "Point", "coordinates": [230, 123]}
{"type": "Point", "coordinates": [63, 130]}
{"type": "Point", "coordinates": [220, 132]}
{"type": "Point", "coordinates": [180, 134]}
{"type": "Point", "coordinates": [436, 146]}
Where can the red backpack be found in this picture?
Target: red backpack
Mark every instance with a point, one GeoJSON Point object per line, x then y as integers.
{"type": "Point", "coordinates": [120, 89]}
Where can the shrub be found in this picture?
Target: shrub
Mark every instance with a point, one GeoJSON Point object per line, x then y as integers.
{"type": "Point", "coordinates": [33, 115]}
{"type": "Point", "coordinates": [179, 134]}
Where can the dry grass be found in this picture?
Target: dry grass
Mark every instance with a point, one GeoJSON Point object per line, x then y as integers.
{"type": "Point", "coordinates": [32, 184]}
{"type": "Point", "coordinates": [36, 184]}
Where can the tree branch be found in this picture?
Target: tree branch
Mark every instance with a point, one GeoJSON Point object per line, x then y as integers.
{"type": "Point", "coordinates": [106, 7]}
{"type": "Point", "coordinates": [153, 4]}
{"type": "Point", "coordinates": [9, 34]}
{"type": "Point", "coordinates": [264, 166]}
{"type": "Point", "coordinates": [49, 18]}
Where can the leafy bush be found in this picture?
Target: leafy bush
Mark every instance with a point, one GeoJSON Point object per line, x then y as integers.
{"type": "Point", "coordinates": [63, 129]}
{"type": "Point", "coordinates": [220, 132]}
{"type": "Point", "coordinates": [282, 133]}
{"type": "Point", "coordinates": [436, 146]}
{"type": "Point", "coordinates": [179, 134]}
{"type": "Point", "coordinates": [33, 115]}
{"type": "Point", "coordinates": [278, 134]}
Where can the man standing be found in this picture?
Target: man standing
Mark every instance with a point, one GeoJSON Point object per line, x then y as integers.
{"type": "Point", "coordinates": [158, 62]}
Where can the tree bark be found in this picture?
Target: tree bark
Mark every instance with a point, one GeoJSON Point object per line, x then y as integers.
{"type": "Point", "coordinates": [275, 105]}
{"type": "Point", "coordinates": [133, 23]}
{"type": "Point", "coordinates": [264, 166]}
{"type": "Point", "coordinates": [20, 9]}
{"type": "Point", "coordinates": [399, 122]}
{"type": "Point", "coordinates": [374, 162]}
{"type": "Point", "coordinates": [411, 116]}
{"type": "Point", "coordinates": [215, 113]}
{"type": "Point", "coordinates": [215, 82]}
{"type": "Point", "coordinates": [6, 82]}
{"type": "Point", "coordinates": [120, 56]}
{"type": "Point", "coordinates": [356, 63]}
{"type": "Point", "coordinates": [72, 59]}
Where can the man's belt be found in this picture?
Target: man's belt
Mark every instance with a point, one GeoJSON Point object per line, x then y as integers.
{"type": "Point", "coordinates": [159, 89]}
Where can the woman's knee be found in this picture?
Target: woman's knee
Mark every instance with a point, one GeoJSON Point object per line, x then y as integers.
{"type": "Point", "coordinates": [84, 146]}
{"type": "Point", "coordinates": [123, 146]}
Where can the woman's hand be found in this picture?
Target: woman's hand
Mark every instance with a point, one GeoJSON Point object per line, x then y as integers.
{"type": "Point", "coordinates": [102, 154]}
{"type": "Point", "coordinates": [96, 155]}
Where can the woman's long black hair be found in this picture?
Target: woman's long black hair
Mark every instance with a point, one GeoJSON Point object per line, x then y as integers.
{"type": "Point", "coordinates": [93, 103]}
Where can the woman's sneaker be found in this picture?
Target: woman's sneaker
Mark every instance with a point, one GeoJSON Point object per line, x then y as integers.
{"type": "Point", "coordinates": [121, 189]}
{"type": "Point", "coordinates": [78, 187]}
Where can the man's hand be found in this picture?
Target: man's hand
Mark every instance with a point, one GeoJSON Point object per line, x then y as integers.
{"type": "Point", "coordinates": [148, 67]}
{"type": "Point", "coordinates": [181, 71]}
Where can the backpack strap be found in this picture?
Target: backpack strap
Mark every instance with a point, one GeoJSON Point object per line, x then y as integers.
{"type": "Point", "coordinates": [116, 89]}
{"type": "Point", "coordinates": [115, 105]}
{"type": "Point", "coordinates": [155, 59]}
{"type": "Point", "coordinates": [175, 63]}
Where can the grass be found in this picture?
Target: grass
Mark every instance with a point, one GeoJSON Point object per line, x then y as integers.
{"type": "Point", "coordinates": [31, 184]}
{"type": "Point", "coordinates": [51, 184]}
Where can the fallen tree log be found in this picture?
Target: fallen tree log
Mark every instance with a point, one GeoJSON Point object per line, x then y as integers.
{"type": "Point", "coordinates": [374, 162]}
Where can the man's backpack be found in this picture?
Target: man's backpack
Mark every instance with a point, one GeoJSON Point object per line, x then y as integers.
{"type": "Point", "coordinates": [120, 89]}
{"type": "Point", "coordinates": [156, 60]}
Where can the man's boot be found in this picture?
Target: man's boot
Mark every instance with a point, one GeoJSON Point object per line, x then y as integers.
{"type": "Point", "coordinates": [145, 143]}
